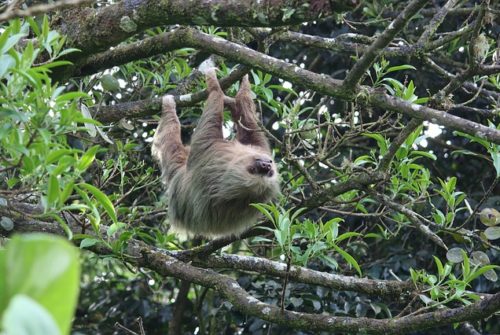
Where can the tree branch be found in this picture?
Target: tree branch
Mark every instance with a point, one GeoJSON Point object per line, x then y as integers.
{"type": "Point", "coordinates": [369, 57]}
{"type": "Point", "coordinates": [319, 82]}
{"type": "Point", "coordinates": [94, 30]}
{"type": "Point", "coordinates": [12, 13]}
{"type": "Point", "coordinates": [161, 262]}
{"type": "Point", "coordinates": [304, 275]}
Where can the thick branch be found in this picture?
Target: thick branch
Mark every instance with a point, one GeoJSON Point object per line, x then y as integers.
{"type": "Point", "coordinates": [318, 82]}
{"type": "Point", "coordinates": [168, 266]}
{"type": "Point", "coordinates": [94, 30]}
{"type": "Point", "coordinates": [308, 276]}
{"type": "Point", "coordinates": [159, 261]}
{"type": "Point", "coordinates": [149, 107]}
{"type": "Point", "coordinates": [12, 13]}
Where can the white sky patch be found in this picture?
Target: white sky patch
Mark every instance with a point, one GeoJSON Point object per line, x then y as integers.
{"type": "Point", "coordinates": [151, 282]}
{"type": "Point", "coordinates": [323, 110]}
{"type": "Point", "coordinates": [287, 84]}
{"type": "Point", "coordinates": [226, 129]}
{"type": "Point", "coordinates": [122, 83]}
{"type": "Point", "coordinates": [144, 124]}
{"type": "Point", "coordinates": [118, 95]}
{"type": "Point", "coordinates": [433, 130]}
{"type": "Point", "coordinates": [461, 49]}
{"type": "Point", "coordinates": [276, 126]}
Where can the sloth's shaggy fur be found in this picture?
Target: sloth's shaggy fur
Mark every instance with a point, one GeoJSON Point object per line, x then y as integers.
{"type": "Point", "coordinates": [212, 183]}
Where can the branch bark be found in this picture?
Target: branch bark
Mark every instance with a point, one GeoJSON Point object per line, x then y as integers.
{"type": "Point", "coordinates": [320, 83]}
{"type": "Point", "coordinates": [165, 264]}
{"type": "Point", "coordinates": [93, 30]}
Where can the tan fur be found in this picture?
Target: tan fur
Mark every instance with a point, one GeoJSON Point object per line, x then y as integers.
{"type": "Point", "coordinates": [210, 186]}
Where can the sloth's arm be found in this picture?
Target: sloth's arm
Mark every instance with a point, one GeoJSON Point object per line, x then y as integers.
{"type": "Point", "coordinates": [167, 146]}
{"type": "Point", "coordinates": [245, 118]}
{"type": "Point", "coordinates": [209, 128]}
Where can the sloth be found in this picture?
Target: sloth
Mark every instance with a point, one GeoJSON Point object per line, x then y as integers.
{"type": "Point", "coordinates": [213, 182]}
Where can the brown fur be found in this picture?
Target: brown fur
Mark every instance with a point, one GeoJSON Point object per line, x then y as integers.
{"type": "Point", "coordinates": [212, 184]}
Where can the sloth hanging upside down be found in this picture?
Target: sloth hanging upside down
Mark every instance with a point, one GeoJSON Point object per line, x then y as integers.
{"type": "Point", "coordinates": [212, 183]}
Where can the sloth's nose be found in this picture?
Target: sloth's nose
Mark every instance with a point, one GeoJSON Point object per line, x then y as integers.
{"type": "Point", "coordinates": [264, 166]}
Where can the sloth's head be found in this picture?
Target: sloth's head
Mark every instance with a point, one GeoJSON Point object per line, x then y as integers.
{"type": "Point", "coordinates": [262, 166]}
{"type": "Point", "coordinates": [248, 172]}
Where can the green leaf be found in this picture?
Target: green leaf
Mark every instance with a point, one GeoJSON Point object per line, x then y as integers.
{"type": "Point", "coordinates": [492, 233]}
{"type": "Point", "coordinates": [102, 199]}
{"type": "Point", "coordinates": [424, 154]}
{"type": "Point", "coordinates": [11, 41]}
{"type": "Point", "coordinates": [455, 255]}
{"type": "Point", "coordinates": [114, 228]}
{"type": "Point", "coordinates": [57, 154]}
{"type": "Point", "coordinates": [71, 96]}
{"type": "Point", "coordinates": [6, 63]}
{"type": "Point", "coordinates": [349, 259]}
{"type": "Point", "coordinates": [439, 266]}
{"type": "Point", "coordinates": [482, 270]}
{"type": "Point", "coordinates": [87, 158]}
{"type": "Point", "coordinates": [381, 142]}
{"type": "Point", "coordinates": [46, 269]}
{"type": "Point", "coordinates": [346, 236]}
{"type": "Point", "coordinates": [25, 316]}
{"type": "Point", "coordinates": [88, 242]}
{"type": "Point", "coordinates": [400, 68]}
{"type": "Point", "coordinates": [53, 190]}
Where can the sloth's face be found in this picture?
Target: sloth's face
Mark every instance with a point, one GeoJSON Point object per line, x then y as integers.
{"type": "Point", "coordinates": [261, 166]}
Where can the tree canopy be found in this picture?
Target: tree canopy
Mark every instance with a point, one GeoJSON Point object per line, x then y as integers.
{"type": "Point", "coordinates": [383, 117]}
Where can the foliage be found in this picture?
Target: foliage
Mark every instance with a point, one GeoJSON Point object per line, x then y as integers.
{"type": "Point", "coordinates": [56, 154]}
{"type": "Point", "coordinates": [38, 285]}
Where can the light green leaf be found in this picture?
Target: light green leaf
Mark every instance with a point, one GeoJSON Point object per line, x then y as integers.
{"type": "Point", "coordinates": [349, 259]}
{"type": "Point", "coordinates": [102, 199]}
{"type": "Point", "coordinates": [46, 269]}
{"type": "Point", "coordinates": [87, 158]}
{"type": "Point", "coordinates": [88, 242]}
{"type": "Point", "coordinates": [400, 68]}
{"type": "Point", "coordinates": [492, 233]}
{"type": "Point", "coordinates": [53, 190]}
{"type": "Point", "coordinates": [455, 255]}
{"type": "Point", "coordinates": [25, 316]}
